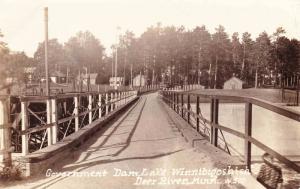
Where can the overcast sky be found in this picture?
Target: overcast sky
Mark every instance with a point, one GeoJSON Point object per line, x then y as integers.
{"type": "Point", "coordinates": [22, 21]}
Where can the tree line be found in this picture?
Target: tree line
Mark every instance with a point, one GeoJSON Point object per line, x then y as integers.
{"type": "Point", "coordinates": [177, 56]}
{"type": "Point", "coordinates": [169, 54]}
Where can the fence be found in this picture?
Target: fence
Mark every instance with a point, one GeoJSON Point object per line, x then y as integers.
{"type": "Point", "coordinates": [35, 122]}
{"type": "Point", "coordinates": [186, 87]}
{"type": "Point", "coordinates": [181, 103]}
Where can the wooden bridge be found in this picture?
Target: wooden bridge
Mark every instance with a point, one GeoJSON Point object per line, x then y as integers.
{"type": "Point", "coordinates": [129, 140]}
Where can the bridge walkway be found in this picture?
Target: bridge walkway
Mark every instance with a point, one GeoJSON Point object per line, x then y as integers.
{"type": "Point", "coordinates": [145, 138]}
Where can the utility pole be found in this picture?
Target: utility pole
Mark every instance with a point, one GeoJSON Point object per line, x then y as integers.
{"type": "Point", "coordinates": [46, 52]}
{"type": "Point", "coordinates": [112, 65]}
{"type": "Point", "coordinates": [116, 58]}
{"type": "Point", "coordinates": [124, 67]}
{"type": "Point", "coordinates": [131, 79]}
{"type": "Point", "coordinates": [116, 66]}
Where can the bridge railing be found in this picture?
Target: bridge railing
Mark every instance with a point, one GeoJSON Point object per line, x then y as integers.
{"type": "Point", "coordinates": [181, 102]}
{"type": "Point", "coordinates": [36, 122]}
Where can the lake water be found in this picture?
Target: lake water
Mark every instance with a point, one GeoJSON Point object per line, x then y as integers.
{"type": "Point", "coordinates": [277, 132]}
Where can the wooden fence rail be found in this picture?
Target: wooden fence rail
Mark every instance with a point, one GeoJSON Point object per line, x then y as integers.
{"type": "Point", "coordinates": [182, 106]}
{"type": "Point", "coordinates": [37, 121]}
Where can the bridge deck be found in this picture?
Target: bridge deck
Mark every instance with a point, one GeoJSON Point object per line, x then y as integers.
{"type": "Point", "coordinates": [145, 137]}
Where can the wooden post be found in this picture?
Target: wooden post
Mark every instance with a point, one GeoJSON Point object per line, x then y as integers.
{"type": "Point", "coordinates": [106, 104]}
{"type": "Point", "coordinates": [54, 117]}
{"type": "Point", "coordinates": [177, 102]}
{"type": "Point", "coordinates": [212, 111]}
{"type": "Point", "coordinates": [126, 94]}
{"type": "Point", "coordinates": [197, 111]}
{"type": "Point", "coordinates": [100, 105]}
{"type": "Point", "coordinates": [6, 132]}
{"type": "Point", "coordinates": [24, 114]}
{"type": "Point", "coordinates": [173, 100]}
{"type": "Point", "coordinates": [117, 99]}
{"type": "Point", "coordinates": [90, 108]}
{"type": "Point", "coordinates": [49, 129]}
{"type": "Point", "coordinates": [216, 121]}
{"type": "Point", "coordinates": [248, 133]}
{"type": "Point", "coordinates": [112, 101]}
{"type": "Point", "coordinates": [297, 92]}
{"type": "Point", "coordinates": [182, 105]}
{"type": "Point", "coordinates": [76, 112]}
{"type": "Point", "coordinates": [189, 108]}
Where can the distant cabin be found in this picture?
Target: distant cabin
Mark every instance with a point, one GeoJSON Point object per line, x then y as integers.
{"type": "Point", "coordinates": [93, 77]}
{"type": "Point", "coordinates": [116, 81]}
{"type": "Point", "coordinates": [233, 83]}
{"type": "Point", "coordinates": [58, 77]}
{"type": "Point", "coordinates": [139, 80]}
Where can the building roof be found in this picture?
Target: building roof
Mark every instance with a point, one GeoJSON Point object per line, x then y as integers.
{"type": "Point", "coordinates": [29, 69]}
{"type": "Point", "coordinates": [138, 76]}
{"type": "Point", "coordinates": [57, 74]}
{"type": "Point", "coordinates": [235, 79]}
{"type": "Point", "coordinates": [93, 75]}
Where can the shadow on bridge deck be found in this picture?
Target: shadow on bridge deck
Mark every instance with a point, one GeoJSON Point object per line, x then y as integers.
{"type": "Point", "coordinates": [143, 148]}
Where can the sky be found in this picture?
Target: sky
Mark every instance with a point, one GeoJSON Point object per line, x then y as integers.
{"type": "Point", "coordinates": [22, 21]}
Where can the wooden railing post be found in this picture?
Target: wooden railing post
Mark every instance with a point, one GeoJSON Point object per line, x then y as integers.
{"type": "Point", "coordinates": [90, 108]}
{"type": "Point", "coordinates": [100, 105]}
{"type": "Point", "coordinates": [112, 101]}
{"type": "Point", "coordinates": [177, 102]}
{"type": "Point", "coordinates": [212, 111]}
{"type": "Point", "coordinates": [54, 118]}
{"type": "Point", "coordinates": [76, 112]}
{"type": "Point", "coordinates": [248, 133]}
{"type": "Point", "coordinates": [189, 108]}
{"type": "Point", "coordinates": [24, 115]}
{"type": "Point", "coordinates": [6, 132]}
{"type": "Point", "coordinates": [106, 103]}
{"type": "Point", "coordinates": [120, 99]}
{"type": "Point", "coordinates": [49, 129]}
{"type": "Point", "coordinates": [174, 100]}
{"type": "Point", "coordinates": [182, 105]}
{"type": "Point", "coordinates": [123, 97]}
{"type": "Point", "coordinates": [216, 121]}
{"type": "Point", "coordinates": [170, 99]}
{"type": "Point", "coordinates": [197, 112]}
